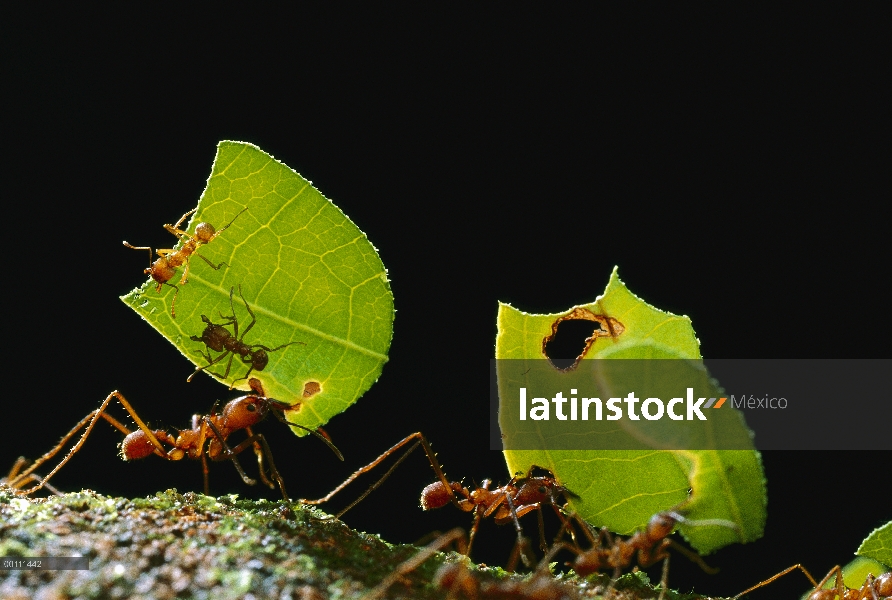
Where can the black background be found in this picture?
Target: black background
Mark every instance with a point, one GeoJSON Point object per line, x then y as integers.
{"type": "Point", "coordinates": [734, 165]}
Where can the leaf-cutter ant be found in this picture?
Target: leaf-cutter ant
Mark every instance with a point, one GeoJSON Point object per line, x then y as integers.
{"type": "Point", "coordinates": [165, 266]}
{"type": "Point", "coordinates": [205, 440]}
{"type": "Point", "coordinates": [642, 549]}
{"type": "Point", "coordinates": [216, 337]}
{"type": "Point", "coordinates": [505, 504]}
{"type": "Point", "coordinates": [874, 588]}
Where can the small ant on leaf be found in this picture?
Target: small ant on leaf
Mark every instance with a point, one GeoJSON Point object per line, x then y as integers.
{"type": "Point", "coordinates": [205, 440]}
{"type": "Point", "coordinates": [216, 337]}
{"type": "Point", "coordinates": [165, 266]}
{"type": "Point", "coordinates": [874, 588]}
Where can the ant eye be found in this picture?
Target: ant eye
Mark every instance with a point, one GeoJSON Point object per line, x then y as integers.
{"type": "Point", "coordinates": [542, 489]}
{"type": "Point", "coordinates": [251, 407]}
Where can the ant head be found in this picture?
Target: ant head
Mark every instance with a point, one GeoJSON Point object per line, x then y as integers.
{"type": "Point", "coordinates": [662, 524]}
{"type": "Point", "coordinates": [539, 489]}
{"type": "Point", "coordinates": [260, 359]}
{"type": "Point", "coordinates": [204, 232]}
{"type": "Point", "coordinates": [245, 411]}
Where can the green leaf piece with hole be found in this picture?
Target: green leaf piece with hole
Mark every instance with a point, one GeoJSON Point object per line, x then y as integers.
{"type": "Point", "coordinates": [878, 545]}
{"type": "Point", "coordinates": [311, 278]}
{"type": "Point", "coordinates": [622, 489]}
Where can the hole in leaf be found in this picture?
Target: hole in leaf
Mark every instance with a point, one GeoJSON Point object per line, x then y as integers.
{"type": "Point", "coordinates": [574, 334]}
{"type": "Point", "coordinates": [569, 341]}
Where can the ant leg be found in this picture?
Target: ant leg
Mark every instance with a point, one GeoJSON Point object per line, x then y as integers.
{"type": "Point", "coordinates": [522, 542]}
{"type": "Point", "coordinates": [259, 452]}
{"type": "Point", "coordinates": [413, 563]}
{"type": "Point", "coordinates": [478, 516]}
{"type": "Point", "coordinates": [248, 308]}
{"type": "Point", "coordinates": [20, 463]}
{"type": "Point", "coordinates": [142, 248]}
{"type": "Point", "coordinates": [185, 278]}
{"type": "Point", "coordinates": [228, 453]}
{"type": "Point", "coordinates": [781, 574]}
{"type": "Point", "coordinates": [664, 579]}
{"type": "Point", "coordinates": [180, 222]}
{"type": "Point", "coordinates": [173, 303]}
{"type": "Point", "coordinates": [210, 363]}
{"type": "Point", "coordinates": [375, 486]}
{"type": "Point", "coordinates": [432, 458]}
{"type": "Point", "coordinates": [204, 472]}
{"type": "Point", "coordinates": [210, 264]}
{"type": "Point", "coordinates": [89, 422]}
{"type": "Point", "coordinates": [232, 308]}
{"type": "Point", "coordinates": [228, 366]}
{"type": "Point", "coordinates": [840, 586]}
{"type": "Point", "coordinates": [249, 443]}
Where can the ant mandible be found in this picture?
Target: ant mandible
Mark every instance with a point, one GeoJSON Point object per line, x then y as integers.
{"type": "Point", "coordinates": [217, 337]}
{"type": "Point", "coordinates": [206, 439]}
{"type": "Point", "coordinates": [505, 504]}
{"type": "Point", "coordinates": [165, 266]}
{"type": "Point", "coordinates": [874, 588]}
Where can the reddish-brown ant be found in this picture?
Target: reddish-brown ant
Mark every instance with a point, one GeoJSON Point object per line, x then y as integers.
{"type": "Point", "coordinates": [164, 268]}
{"type": "Point", "coordinates": [643, 549]}
{"type": "Point", "coordinates": [505, 504]}
{"type": "Point", "coordinates": [206, 439]}
{"type": "Point", "coordinates": [874, 588]}
{"type": "Point", "coordinates": [216, 337]}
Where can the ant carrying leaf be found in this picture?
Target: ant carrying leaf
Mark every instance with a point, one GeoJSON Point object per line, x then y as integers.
{"type": "Point", "coordinates": [165, 266]}
{"type": "Point", "coordinates": [205, 440]}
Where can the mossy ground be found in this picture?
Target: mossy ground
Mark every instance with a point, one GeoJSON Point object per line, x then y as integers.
{"type": "Point", "coordinates": [175, 545]}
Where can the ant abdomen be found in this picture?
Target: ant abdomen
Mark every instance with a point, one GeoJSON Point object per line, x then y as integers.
{"type": "Point", "coordinates": [138, 445]}
{"type": "Point", "coordinates": [436, 495]}
{"type": "Point", "coordinates": [161, 270]}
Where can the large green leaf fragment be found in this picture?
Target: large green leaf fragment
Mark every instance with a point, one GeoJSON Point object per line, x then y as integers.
{"type": "Point", "coordinates": [306, 271]}
{"type": "Point", "coordinates": [622, 489]}
{"type": "Point", "coordinates": [878, 545]}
